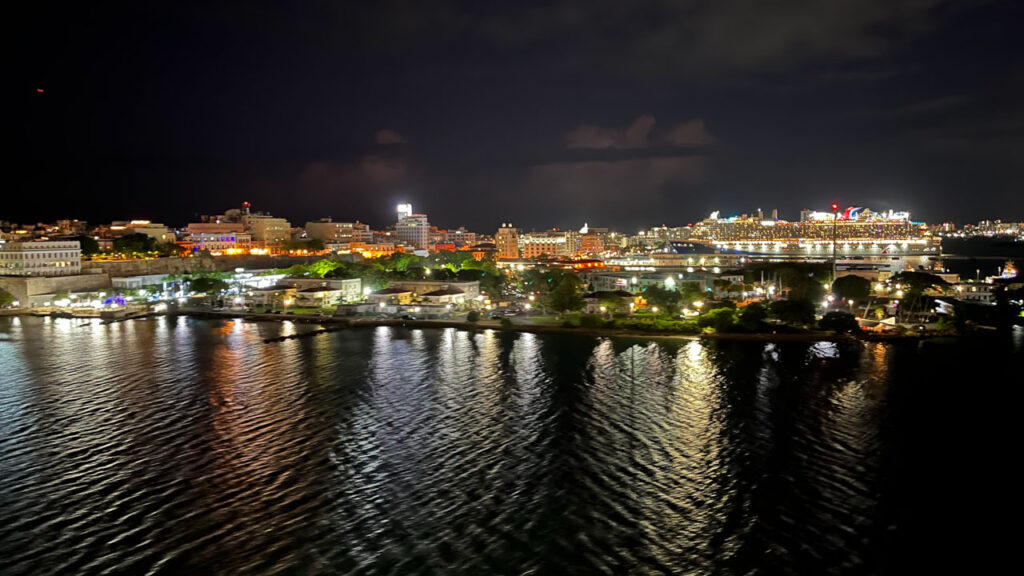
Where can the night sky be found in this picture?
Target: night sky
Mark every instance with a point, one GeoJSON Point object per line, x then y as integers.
{"type": "Point", "coordinates": [617, 113]}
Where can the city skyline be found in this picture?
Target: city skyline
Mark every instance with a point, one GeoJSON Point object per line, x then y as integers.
{"type": "Point", "coordinates": [528, 117]}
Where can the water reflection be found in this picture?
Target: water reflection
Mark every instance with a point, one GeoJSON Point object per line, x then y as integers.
{"type": "Point", "coordinates": [180, 445]}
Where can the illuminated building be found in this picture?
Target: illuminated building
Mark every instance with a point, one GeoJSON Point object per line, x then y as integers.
{"type": "Point", "coordinates": [41, 258]}
{"type": "Point", "coordinates": [268, 230]}
{"type": "Point", "coordinates": [506, 240]}
{"type": "Point", "coordinates": [219, 244]}
{"type": "Point", "coordinates": [552, 244]}
{"type": "Point", "coordinates": [412, 229]}
{"type": "Point", "coordinates": [158, 232]}
{"type": "Point", "coordinates": [328, 230]}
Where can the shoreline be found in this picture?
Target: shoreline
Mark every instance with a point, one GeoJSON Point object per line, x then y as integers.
{"type": "Point", "coordinates": [334, 323]}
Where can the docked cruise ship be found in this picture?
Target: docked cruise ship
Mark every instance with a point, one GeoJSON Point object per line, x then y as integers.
{"type": "Point", "coordinates": [857, 231]}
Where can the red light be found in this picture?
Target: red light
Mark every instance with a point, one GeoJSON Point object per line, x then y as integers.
{"type": "Point", "coordinates": [39, 90]}
{"type": "Point", "coordinates": [835, 207]}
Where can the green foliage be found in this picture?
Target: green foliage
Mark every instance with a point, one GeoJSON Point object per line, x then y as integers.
{"type": "Point", "coordinates": [853, 287]}
{"type": "Point", "coordinates": [651, 324]}
{"type": "Point", "coordinates": [6, 298]}
{"type": "Point", "coordinates": [752, 316]}
{"type": "Point", "coordinates": [311, 245]}
{"type": "Point", "coordinates": [208, 285]}
{"type": "Point", "coordinates": [89, 246]}
{"type": "Point", "coordinates": [543, 280]}
{"type": "Point", "coordinates": [666, 300]}
{"type": "Point", "coordinates": [565, 297]}
{"type": "Point", "coordinates": [169, 249]}
{"type": "Point", "coordinates": [135, 244]}
{"type": "Point", "coordinates": [473, 316]}
{"type": "Point", "coordinates": [690, 292]}
{"type": "Point", "coordinates": [506, 323]}
{"type": "Point", "coordinates": [720, 319]}
{"type": "Point", "coordinates": [839, 322]}
{"type": "Point", "coordinates": [615, 304]}
{"type": "Point", "coordinates": [591, 321]}
{"type": "Point", "coordinates": [321, 268]}
{"type": "Point", "coordinates": [918, 281]}
{"type": "Point", "coordinates": [800, 312]}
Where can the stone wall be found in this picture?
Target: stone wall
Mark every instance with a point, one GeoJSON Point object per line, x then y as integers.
{"type": "Point", "coordinates": [167, 266]}
{"type": "Point", "coordinates": [23, 288]}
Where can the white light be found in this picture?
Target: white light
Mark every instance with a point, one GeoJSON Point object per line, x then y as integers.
{"type": "Point", "coordinates": [526, 306]}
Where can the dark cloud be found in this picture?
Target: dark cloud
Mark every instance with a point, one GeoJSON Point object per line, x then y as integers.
{"type": "Point", "coordinates": [632, 136]}
{"type": "Point", "coordinates": [388, 136]}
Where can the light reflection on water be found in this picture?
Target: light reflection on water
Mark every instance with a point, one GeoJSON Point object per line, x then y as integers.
{"type": "Point", "coordinates": [176, 445]}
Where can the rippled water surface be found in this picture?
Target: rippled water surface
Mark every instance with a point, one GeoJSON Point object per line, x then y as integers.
{"type": "Point", "coordinates": [187, 446]}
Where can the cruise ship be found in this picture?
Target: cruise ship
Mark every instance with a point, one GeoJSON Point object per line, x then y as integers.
{"type": "Point", "coordinates": [857, 232]}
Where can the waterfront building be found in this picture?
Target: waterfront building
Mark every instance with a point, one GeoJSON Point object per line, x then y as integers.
{"type": "Point", "coordinates": [421, 287]}
{"type": "Point", "coordinates": [595, 301]}
{"type": "Point", "coordinates": [41, 258]}
{"type": "Point", "coordinates": [506, 241]}
{"type": "Point", "coordinates": [445, 295]}
{"type": "Point", "coordinates": [271, 296]}
{"type": "Point", "coordinates": [318, 297]}
{"type": "Point", "coordinates": [390, 295]}
{"type": "Point", "coordinates": [126, 283]}
{"type": "Point", "coordinates": [348, 289]}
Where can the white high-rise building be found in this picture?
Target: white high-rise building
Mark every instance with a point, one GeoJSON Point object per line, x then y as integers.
{"type": "Point", "coordinates": [413, 229]}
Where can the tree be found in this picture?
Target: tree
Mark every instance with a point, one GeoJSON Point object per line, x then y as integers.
{"type": "Point", "coordinates": [209, 285]}
{"type": "Point", "coordinates": [6, 298]}
{"type": "Point", "coordinates": [914, 285]}
{"type": "Point", "coordinates": [614, 304]}
{"type": "Point", "coordinates": [752, 316]}
{"type": "Point", "coordinates": [839, 322]}
{"type": "Point", "coordinates": [793, 311]}
{"type": "Point", "coordinates": [690, 292]}
{"type": "Point", "coordinates": [667, 301]}
{"type": "Point", "coordinates": [135, 244]}
{"type": "Point", "coordinates": [321, 268]}
{"type": "Point", "coordinates": [564, 297]}
{"type": "Point", "coordinates": [851, 287]}
{"type": "Point", "coordinates": [89, 245]}
{"type": "Point", "coordinates": [473, 316]}
{"type": "Point", "coordinates": [803, 282]}
{"type": "Point", "coordinates": [720, 319]}
{"type": "Point", "coordinates": [169, 249]}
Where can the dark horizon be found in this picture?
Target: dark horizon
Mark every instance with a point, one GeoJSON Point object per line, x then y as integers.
{"type": "Point", "coordinates": [618, 115]}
